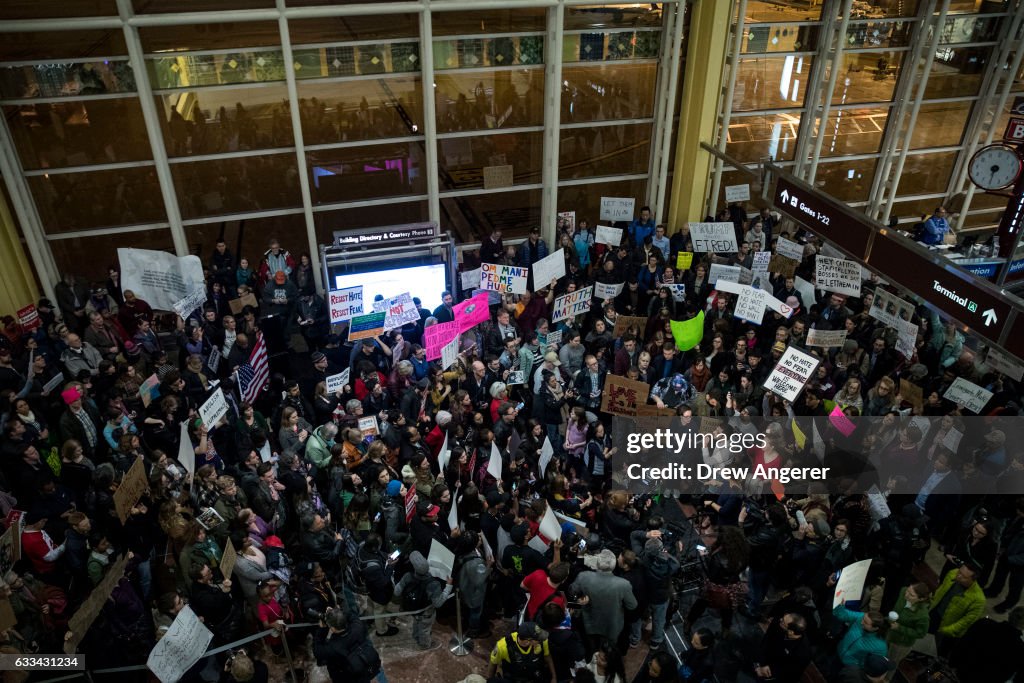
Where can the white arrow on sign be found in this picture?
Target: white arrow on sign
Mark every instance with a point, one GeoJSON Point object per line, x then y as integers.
{"type": "Point", "coordinates": [990, 317]}
{"type": "Point", "coordinates": [784, 195]}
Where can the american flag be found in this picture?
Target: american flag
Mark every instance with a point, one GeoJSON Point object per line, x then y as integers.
{"type": "Point", "coordinates": [254, 373]}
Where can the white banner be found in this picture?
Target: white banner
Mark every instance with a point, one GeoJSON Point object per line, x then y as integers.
{"type": "Point", "coordinates": [1001, 362]}
{"type": "Point", "coordinates": [789, 249]}
{"type": "Point", "coordinates": [610, 236]}
{"type": "Point", "coordinates": [470, 279]}
{"type": "Point", "coordinates": [791, 374]}
{"type": "Point", "coordinates": [551, 267]}
{"type": "Point", "coordinates": [715, 238]}
{"type": "Point", "coordinates": [604, 290]}
{"type": "Point", "coordinates": [186, 305]}
{"type": "Point", "coordinates": [503, 279]}
{"type": "Point", "coordinates": [837, 275]}
{"type": "Point", "coordinates": [337, 382]}
{"type": "Point", "coordinates": [968, 394]}
{"type": "Point", "coordinates": [345, 304]}
{"type": "Point", "coordinates": [213, 409]}
{"type": "Point", "coordinates": [617, 208]}
{"type": "Point", "coordinates": [158, 277]}
{"type": "Point", "coordinates": [769, 300]}
{"type": "Point", "coordinates": [825, 338]}
{"type": "Point", "coordinates": [572, 304]}
{"type": "Point", "coordinates": [723, 272]}
{"type": "Point", "coordinates": [750, 305]}
{"type": "Point", "coordinates": [182, 646]}
{"type": "Point", "coordinates": [737, 193]}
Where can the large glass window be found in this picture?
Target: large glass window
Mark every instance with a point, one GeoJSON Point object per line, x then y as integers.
{"type": "Point", "coordinates": [248, 238]}
{"type": "Point", "coordinates": [604, 150]}
{"type": "Point", "coordinates": [78, 133]}
{"type": "Point", "coordinates": [867, 77]}
{"type": "Point", "coordinates": [362, 109]}
{"type": "Point", "coordinates": [367, 172]}
{"type": "Point", "coordinates": [956, 72]}
{"type": "Point", "coordinates": [771, 82]}
{"type": "Point", "coordinates": [606, 91]}
{"type": "Point", "coordinates": [585, 199]}
{"type": "Point", "coordinates": [940, 124]}
{"type": "Point", "coordinates": [33, 9]}
{"type": "Point", "coordinates": [236, 185]}
{"type": "Point", "coordinates": [218, 120]}
{"type": "Point", "coordinates": [847, 179]}
{"type": "Point", "coordinates": [484, 100]}
{"type": "Point", "coordinates": [786, 10]}
{"type": "Point", "coordinates": [393, 213]}
{"type": "Point", "coordinates": [780, 38]}
{"type": "Point", "coordinates": [760, 135]}
{"type": "Point", "coordinates": [97, 199]}
{"type": "Point", "coordinates": [102, 251]}
{"type": "Point", "coordinates": [926, 173]}
{"type": "Point", "coordinates": [472, 217]}
{"type": "Point", "coordinates": [853, 131]}
{"type": "Point", "coordinates": [461, 160]}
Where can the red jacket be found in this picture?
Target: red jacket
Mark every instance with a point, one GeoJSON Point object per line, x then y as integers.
{"type": "Point", "coordinates": [36, 545]}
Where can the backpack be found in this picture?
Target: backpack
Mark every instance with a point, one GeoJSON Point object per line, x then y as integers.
{"type": "Point", "coordinates": [363, 662]}
{"type": "Point", "coordinates": [415, 596]}
{"type": "Point", "coordinates": [355, 572]}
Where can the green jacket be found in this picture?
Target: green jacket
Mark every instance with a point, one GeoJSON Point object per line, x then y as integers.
{"type": "Point", "coordinates": [912, 624]}
{"type": "Point", "coordinates": [963, 610]}
{"type": "Point", "coordinates": [317, 451]}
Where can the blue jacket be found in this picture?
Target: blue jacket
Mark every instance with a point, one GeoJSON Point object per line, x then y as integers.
{"type": "Point", "coordinates": [934, 230]}
{"type": "Point", "coordinates": [523, 256]}
{"type": "Point", "coordinates": [857, 644]}
{"type": "Point", "coordinates": [638, 230]}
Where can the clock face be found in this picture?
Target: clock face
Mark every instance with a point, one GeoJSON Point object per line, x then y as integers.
{"type": "Point", "coordinates": [995, 167]}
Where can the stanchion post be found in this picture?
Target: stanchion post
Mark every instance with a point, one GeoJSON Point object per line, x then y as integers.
{"type": "Point", "coordinates": [288, 656]}
{"type": "Point", "coordinates": [459, 644]}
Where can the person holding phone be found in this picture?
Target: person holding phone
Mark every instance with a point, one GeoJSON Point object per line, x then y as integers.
{"type": "Point", "coordinates": [375, 572]}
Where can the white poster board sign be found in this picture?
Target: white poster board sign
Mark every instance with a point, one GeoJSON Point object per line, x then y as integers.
{"type": "Point", "coordinates": [791, 374]}
{"type": "Point", "coordinates": [837, 275]}
{"type": "Point", "coordinates": [1004, 363]}
{"type": "Point", "coordinates": [503, 279]}
{"type": "Point", "coordinates": [546, 453]}
{"type": "Point", "coordinates": [761, 261]}
{"type": "Point", "coordinates": [345, 304]}
{"type": "Point", "coordinates": [715, 238]}
{"type": "Point", "coordinates": [214, 409]}
{"type": "Point", "coordinates": [750, 305]}
{"type": "Point", "coordinates": [160, 278]}
{"type": "Point", "coordinates": [450, 353]}
{"type": "Point", "coordinates": [610, 236]}
{"type": "Point", "coordinates": [441, 560]}
{"type": "Point", "coordinates": [551, 267]}
{"type": "Point", "coordinates": [825, 338]}
{"type": "Point", "coordinates": [549, 525]}
{"type": "Point", "coordinates": [337, 382]}
{"type": "Point", "coordinates": [720, 271]}
{"type": "Point", "coordinates": [572, 304]}
{"type": "Point", "coordinates": [182, 646]}
{"type": "Point", "coordinates": [607, 290]}
{"type": "Point", "coordinates": [906, 340]}
{"type": "Point", "coordinates": [969, 394]}
{"type": "Point", "coordinates": [737, 193]}
{"type": "Point", "coordinates": [789, 249]}
{"type": "Point", "coordinates": [851, 582]}
{"type": "Point", "coordinates": [470, 279]}
{"type": "Point", "coordinates": [494, 463]}
{"type": "Point", "coordinates": [617, 208]}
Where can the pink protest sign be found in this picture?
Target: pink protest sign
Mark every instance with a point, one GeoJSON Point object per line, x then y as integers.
{"type": "Point", "coordinates": [841, 422]}
{"type": "Point", "coordinates": [470, 312]}
{"type": "Point", "coordinates": [437, 336]}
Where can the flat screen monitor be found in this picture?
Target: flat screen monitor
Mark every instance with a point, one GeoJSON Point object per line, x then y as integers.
{"type": "Point", "coordinates": [427, 282]}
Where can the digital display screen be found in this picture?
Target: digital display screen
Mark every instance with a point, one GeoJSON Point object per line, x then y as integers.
{"type": "Point", "coordinates": [427, 283]}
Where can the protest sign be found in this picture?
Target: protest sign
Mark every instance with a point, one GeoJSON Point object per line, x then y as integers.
{"type": "Point", "coordinates": [549, 527]}
{"type": "Point", "coordinates": [737, 193]}
{"type": "Point", "coordinates": [228, 559]}
{"type": "Point", "coordinates": [186, 451]}
{"type": "Point", "coordinates": [968, 394]}
{"type": "Point", "coordinates": [182, 646]}
{"type": "Point", "coordinates": [837, 275]}
{"type": "Point", "coordinates": [610, 236]}
{"type": "Point", "coordinates": [841, 422]}
{"type": "Point", "coordinates": [213, 409]}
{"type": "Point", "coordinates": [789, 249]}
{"type": "Point", "coordinates": [568, 219]}
{"type": "Point", "coordinates": [444, 455]}
{"type": "Point", "coordinates": [29, 319]}
{"type": "Point", "coordinates": [497, 177]}
{"type": "Point", "coordinates": [769, 300]}
{"type": "Point", "coordinates": [337, 382]}
{"type": "Point", "coordinates": [345, 303]}
{"type": "Point", "coordinates": [1001, 362]}
{"type": "Point", "coordinates": [551, 267]}
{"type": "Point", "coordinates": [516, 377]}
{"type": "Point", "coordinates": [825, 338]}
{"type": "Point", "coordinates": [851, 582]}
{"type": "Point", "coordinates": [750, 305]}
{"type": "Point", "coordinates": [401, 310]}
{"type": "Point", "coordinates": [59, 377]}
{"type": "Point", "coordinates": [236, 305]}
{"type": "Point", "coordinates": [189, 302]}
{"type": "Point", "coordinates": [209, 518]}
{"type": "Point", "coordinates": [160, 278]}
{"type": "Point", "coordinates": [440, 560]}
{"type": "Point", "coordinates": [762, 261]}
{"type": "Point", "coordinates": [503, 279]}
{"type": "Point", "coordinates": [450, 353]}
{"type": "Point", "coordinates": [436, 336]}
{"type": "Point", "coordinates": [607, 290]}
{"type": "Point", "coordinates": [133, 485]}
{"type": "Point", "coordinates": [213, 362]}
{"type": "Point", "coordinates": [887, 308]}
{"type": "Point", "coordinates": [720, 271]}
{"type": "Point", "coordinates": [688, 333]}
{"type": "Point", "coordinates": [791, 374]}
{"type": "Point", "coordinates": [494, 463]}
{"type": "Point", "coordinates": [684, 260]}
{"type": "Point", "coordinates": [368, 426]}
{"type": "Point", "coordinates": [715, 238]}
{"type": "Point", "coordinates": [572, 304]}
{"type": "Point", "coordinates": [552, 338]}
{"type": "Point", "coordinates": [148, 390]}
{"type": "Point", "coordinates": [470, 279]}
{"type": "Point", "coordinates": [952, 440]}
{"type": "Point", "coordinates": [366, 326]}
{"type": "Point", "coordinates": [630, 323]}
{"type": "Point", "coordinates": [471, 312]}
{"type": "Point", "coordinates": [912, 394]}
{"type": "Point", "coordinates": [806, 290]}
{"type": "Point", "coordinates": [547, 452]}
{"type": "Point", "coordinates": [622, 396]}
{"type": "Point", "coordinates": [878, 506]}
{"type": "Point", "coordinates": [785, 267]}
{"type": "Point", "coordinates": [678, 292]}
{"type": "Point", "coordinates": [537, 543]}
{"type": "Point", "coordinates": [906, 340]}
{"type": "Point", "coordinates": [90, 608]}
{"type": "Point", "coordinates": [617, 208]}
{"type": "Point", "coordinates": [410, 502]}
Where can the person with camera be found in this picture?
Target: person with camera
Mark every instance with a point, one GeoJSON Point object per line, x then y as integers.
{"type": "Point", "coordinates": [343, 646]}
{"type": "Point", "coordinates": [767, 531]}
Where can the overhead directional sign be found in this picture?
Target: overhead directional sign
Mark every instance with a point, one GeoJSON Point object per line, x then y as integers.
{"type": "Point", "coordinates": [839, 224]}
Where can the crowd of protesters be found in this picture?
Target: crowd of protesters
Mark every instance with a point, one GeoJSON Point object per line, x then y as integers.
{"type": "Point", "coordinates": [333, 520]}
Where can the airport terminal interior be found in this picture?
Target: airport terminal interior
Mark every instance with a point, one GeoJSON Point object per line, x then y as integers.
{"type": "Point", "coordinates": [228, 153]}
